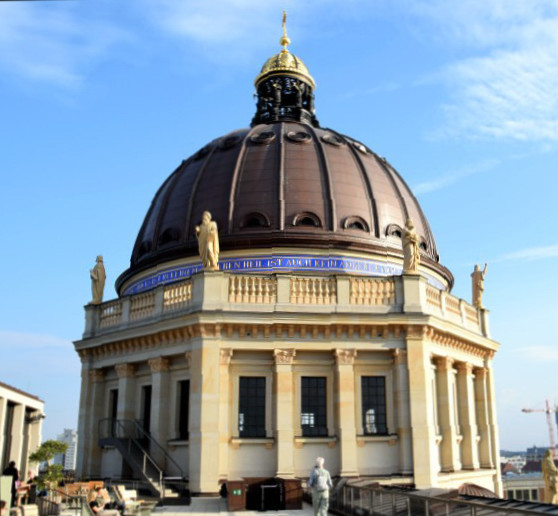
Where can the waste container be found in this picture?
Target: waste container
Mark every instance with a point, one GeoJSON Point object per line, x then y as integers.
{"type": "Point", "coordinates": [236, 495]}
{"type": "Point", "coordinates": [292, 494]}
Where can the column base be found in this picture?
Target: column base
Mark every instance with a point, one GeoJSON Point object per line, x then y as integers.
{"type": "Point", "coordinates": [349, 473]}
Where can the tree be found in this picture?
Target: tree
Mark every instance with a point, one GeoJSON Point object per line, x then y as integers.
{"type": "Point", "coordinates": [45, 453]}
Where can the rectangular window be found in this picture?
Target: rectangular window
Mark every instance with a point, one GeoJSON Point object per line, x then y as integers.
{"type": "Point", "coordinates": [373, 393]}
{"type": "Point", "coordinates": [313, 416]}
{"type": "Point", "coordinates": [146, 407]}
{"type": "Point", "coordinates": [534, 495]}
{"type": "Point", "coordinates": [183, 409]}
{"type": "Point", "coordinates": [251, 406]}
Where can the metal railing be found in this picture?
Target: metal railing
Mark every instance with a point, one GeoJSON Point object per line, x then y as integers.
{"type": "Point", "coordinates": [381, 501]}
{"type": "Point", "coordinates": [132, 437]}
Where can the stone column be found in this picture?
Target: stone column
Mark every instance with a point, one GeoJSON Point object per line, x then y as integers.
{"type": "Point", "coordinates": [3, 406]}
{"type": "Point", "coordinates": [34, 440]}
{"type": "Point", "coordinates": [93, 453]}
{"type": "Point", "coordinates": [126, 408]}
{"type": "Point", "coordinates": [18, 424]}
{"type": "Point", "coordinates": [493, 426]}
{"type": "Point", "coordinates": [160, 395]}
{"type": "Point", "coordinates": [482, 406]}
{"type": "Point", "coordinates": [204, 420]}
{"type": "Point", "coordinates": [284, 408]}
{"type": "Point", "coordinates": [403, 412]}
{"type": "Point", "coordinates": [446, 414]}
{"type": "Point", "coordinates": [467, 420]}
{"type": "Point", "coordinates": [425, 452]}
{"type": "Point", "coordinates": [82, 449]}
{"type": "Point", "coordinates": [345, 410]}
{"type": "Point", "coordinates": [225, 356]}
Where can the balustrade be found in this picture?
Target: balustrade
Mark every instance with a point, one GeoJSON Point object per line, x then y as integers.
{"type": "Point", "coordinates": [142, 306]}
{"type": "Point", "coordinates": [111, 314]}
{"type": "Point", "coordinates": [313, 291]}
{"type": "Point", "coordinates": [252, 289]}
{"type": "Point", "coordinates": [177, 295]}
{"type": "Point", "coordinates": [369, 291]}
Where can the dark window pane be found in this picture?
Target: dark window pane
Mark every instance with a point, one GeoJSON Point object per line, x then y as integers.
{"type": "Point", "coordinates": [313, 417]}
{"type": "Point", "coordinates": [183, 409]}
{"type": "Point", "coordinates": [251, 406]}
{"type": "Point", "coordinates": [374, 405]}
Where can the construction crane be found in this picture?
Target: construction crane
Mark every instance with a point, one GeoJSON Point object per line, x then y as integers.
{"type": "Point", "coordinates": [549, 411]}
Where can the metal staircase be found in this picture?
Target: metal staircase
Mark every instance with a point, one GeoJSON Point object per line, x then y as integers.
{"type": "Point", "coordinates": [136, 447]}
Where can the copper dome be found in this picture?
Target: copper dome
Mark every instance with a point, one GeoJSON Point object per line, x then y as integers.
{"type": "Point", "coordinates": [285, 184]}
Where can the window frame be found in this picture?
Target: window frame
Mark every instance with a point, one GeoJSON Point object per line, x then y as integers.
{"type": "Point", "coordinates": [262, 427]}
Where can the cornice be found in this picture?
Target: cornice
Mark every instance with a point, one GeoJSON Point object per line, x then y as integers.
{"type": "Point", "coordinates": [359, 336]}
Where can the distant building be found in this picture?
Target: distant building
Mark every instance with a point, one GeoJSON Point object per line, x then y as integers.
{"type": "Point", "coordinates": [536, 452]}
{"type": "Point", "coordinates": [517, 462]}
{"type": "Point", "coordinates": [528, 487]}
{"type": "Point", "coordinates": [68, 459]}
{"type": "Point", "coordinates": [21, 417]}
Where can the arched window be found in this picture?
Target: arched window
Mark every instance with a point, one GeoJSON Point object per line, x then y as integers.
{"type": "Point", "coordinates": [307, 219]}
{"type": "Point", "coordinates": [169, 235]}
{"type": "Point", "coordinates": [255, 220]}
{"type": "Point", "coordinates": [356, 222]}
{"type": "Point", "coordinates": [393, 230]}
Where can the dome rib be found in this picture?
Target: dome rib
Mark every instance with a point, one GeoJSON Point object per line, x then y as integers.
{"type": "Point", "coordinates": [188, 222]}
{"type": "Point", "coordinates": [281, 175]}
{"type": "Point", "coordinates": [325, 171]}
{"type": "Point", "coordinates": [366, 180]}
{"type": "Point", "coordinates": [238, 168]}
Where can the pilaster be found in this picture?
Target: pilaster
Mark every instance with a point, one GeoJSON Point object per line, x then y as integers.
{"type": "Point", "coordinates": [225, 356]}
{"type": "Point", "coordinates": [403, 412]}
{"type": "Point", "coordinates": [466, 408]}
{"type": "Point", "coordinates": [345, 410]}
{"type": "Point", "coordinates": [18, 424]}
{"type": "Point", "coordinates": [92, 459]}
{"type": "Point", "coordinates": [447, 414]}
{"type": "Point", "coordinates": [425, 454]}
{"type": "Point", "coordinates": [160, 394]}
{"type": "Point", "coordinates": [414, 293]}
{"type": "Point", "coordinates": [493, 426]}
{"type": "Point", "coordinates": [204, 412]}
{"type": "Point", "coordinates": [284, 403]}
{"type": "Point", "coordinates": [482, 409]}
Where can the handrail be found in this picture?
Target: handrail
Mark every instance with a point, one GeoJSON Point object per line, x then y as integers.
{"type": "Point", "coordinates": [347, 499]}
{"type": "Point", "coordinates": [146, 457]}
{"type": "Point", "coordinates": [124, 423]}
{"type": "Point", "coordinates": [168, 457]}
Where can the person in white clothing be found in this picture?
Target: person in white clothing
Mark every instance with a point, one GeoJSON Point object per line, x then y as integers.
{"type": "Point", "coordinates": [320, 482]}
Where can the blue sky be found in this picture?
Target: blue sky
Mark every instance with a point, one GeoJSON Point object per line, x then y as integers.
{"type": "Point", "coordinates": [100, 101]}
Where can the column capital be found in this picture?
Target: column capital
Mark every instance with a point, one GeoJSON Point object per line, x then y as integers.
{"type": "Point", "coordinates": [159, 364]}
{"type": "Point", "coordinates": [443, 363]}
{"type": "Point", "coordinates": [480, 372]}
{"type": "Point", "coordinates": [96, 375]}
{"type": "Point", "coordinates": [345, 356]}
{"type": "Point", "coordinates": [464, 368]}
{"type": "Point", "coordinates": [416, 331]}
{"type": "Point", "coordinates": [284, 356]}
{"type": "Point", "coordinates": [188, 357]}
{"type": "Point", "coordinates": [125, 370]}
{"type": "Point", "coordinates": [225, 356]}
{"type": "Point", "coordinates": [399, 356]}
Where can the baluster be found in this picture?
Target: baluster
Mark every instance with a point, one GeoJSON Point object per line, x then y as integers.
{"type": "Point", "coordinates": [232, 290]}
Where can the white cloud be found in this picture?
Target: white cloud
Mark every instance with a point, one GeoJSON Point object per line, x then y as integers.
{"type": "Point", "coordinates": [51, 44]}
{"type": "Point", "coordinates": [507, 88]}
{"type": "Point", "coordinates": [538, 353]}
{"type": "Point", "coordinates": [453, 177]}
{"type": "Point", "coordinates": [19, 340]}
{"type": "Point", "coordinates": [531, 253]}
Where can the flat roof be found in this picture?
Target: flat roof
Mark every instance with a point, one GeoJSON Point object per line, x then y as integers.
{"type": "Point", "coordinates": [19, 391]}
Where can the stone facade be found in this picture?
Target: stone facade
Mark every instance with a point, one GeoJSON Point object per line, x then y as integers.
{"type": "Point", "coordinates": [422, 354]}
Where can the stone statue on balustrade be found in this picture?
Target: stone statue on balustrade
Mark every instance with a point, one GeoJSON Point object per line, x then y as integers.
{"type": "Point", "coordinates": [550, 475]}
{"type": "Point", "coordinates": [208, 242]}
{"type": "Point", "coordinates": [477, 277]}
{"type": "Point", "coordinates": [411, 255]}
{"type": "Point", "coordinates": [98, 278]}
